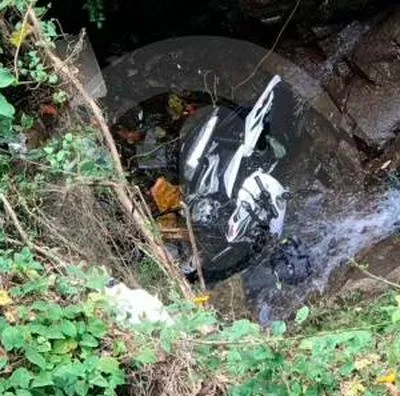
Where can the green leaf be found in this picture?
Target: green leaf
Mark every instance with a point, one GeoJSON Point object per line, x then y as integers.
{"type": "Point", "coordinates": [97, 278]}
{"type": "Point", "coordinates": [50, 311]}
{"type": "Point", "coordinates": [42, 380]}
{"type": "Point", "coordinates": [68, 328]}
{"type": "Point", "coordinates": [6, 78]}
{"type": "Point", "coordinates": [278, 328]}
{"type": "Point", "coordinates": [90, 363]}
{"type": "Point", "coordinates": [241, 328]}
{"type": "Point", "coordinates": [3, 362]}
{"type": "Point", "coordinates": [4, 4]}
{"type": "Point", "coordinates": [146, 356]}
{"type": "Point", "coordinates": [81, 388]}
{"type": "Point", "coordinates": [89, 341]}
{"type": "Point", "coordinates": [62, 347]}
{"type": "Point", "coordinates": [108, 365]}
{"type": "Point", "coordinates": [119, 347]}
{"type": "Point", "coordinates": [6, 109]}
{"type": "Point", "coordinates": [302, 314]}
{"type": "Point", "coordinates": [20, 378]}
{"type": "Point", "coordinates": [97, 327]}
{"type": "Point", "coordinates": [99, 381]}
{"type": "Point", "coordinates": [35, 357]}
{"type": "Point", "coordinates": [52, 333]}
{"type": "Point", "coordinates": [23, 392]}
{"type": "Point", "coordinates": [396, 316]}
{"type": "Point", "coordinates": [13, 337]}
{"type": "Point", "coordinates": [73, 311]}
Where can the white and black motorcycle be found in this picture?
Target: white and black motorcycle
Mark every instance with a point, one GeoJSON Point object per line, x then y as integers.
{"type": "Point", "coordinates": [237, 205]}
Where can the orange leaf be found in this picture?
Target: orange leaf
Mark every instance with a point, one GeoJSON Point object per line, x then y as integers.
{"type": "Point", "coordinates": [48, 109]}
{"type": "Point", "coordinates": [131, 136]}
{"type": "Point", "coordinates": [166, 195]}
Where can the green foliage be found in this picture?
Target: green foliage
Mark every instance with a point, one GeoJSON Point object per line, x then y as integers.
{"type": "Point", "coordinates": [95, 9]}
{"type": "Point", "coordinates": [76, 156]}
{"type": "Point", "coordinates": [31, 66]}
{"type": "Point", "coordinates": [7, 110]}
{"type": "Point", "coordinates": [56, 332]}
{"type": "Point", "coordinates": [55, 347]}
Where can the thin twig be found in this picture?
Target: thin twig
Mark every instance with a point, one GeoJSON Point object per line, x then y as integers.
{"type": "Point", "coordinates": [373, 276]}
{"type": "Point", "coordinates": [213, 95]}
{"type": "Point", "coordinates": [271, 50]}
{"type": "Point", "coordinates": [25, 238]}
{"type": "Point", "coordinates": [196, 256]}
{"type": "Point", "coordinates": [50, 227]}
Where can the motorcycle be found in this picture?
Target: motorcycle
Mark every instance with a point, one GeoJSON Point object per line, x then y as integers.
{"type": "Point", "coordinates": [237, 206]}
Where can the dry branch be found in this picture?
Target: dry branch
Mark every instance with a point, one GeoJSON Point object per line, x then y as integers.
{"type": "Point", "coordinates": [25, 238]}
{"type": "Point", "coordinates": [196, 256]}
{"type": "Point", "coordinates": [122, 190]}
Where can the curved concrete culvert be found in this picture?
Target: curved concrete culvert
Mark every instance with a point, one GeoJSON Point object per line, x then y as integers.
{"type": "Point", "coordinates": [321, 164]}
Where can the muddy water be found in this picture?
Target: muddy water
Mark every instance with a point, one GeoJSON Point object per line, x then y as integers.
{"type": "Point", "coordinates": [332, 211]}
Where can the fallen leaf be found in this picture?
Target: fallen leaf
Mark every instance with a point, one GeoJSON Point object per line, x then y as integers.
{"type": "Point", "coordinates": [166, 196]}
{"type": "Point", "coordinates": [131, 136]}
{"type": "Point", "coordinates": [176, 104]}
{"type": "Point", "coordinates": [190, 109]}
{"type": "Point", "coordinates": [11, 315]}
{"type": "Point", "coordinates": [95, 297]}
{"type": "Point", "coordinates": [160, 133]}
{"type": "Point", "coordinates": [387, 379]}
{"type": "Point", "coordinates": [352, 388]}
{"type": "Point", "coordinates": [202, 299]}
{"type": "Point", "coordinates": [5, 299]}
{"type": "Point", "coordinates": [366, 361]}
{"type": "Point", "coordinates": [19, 36]}
{"type": "Point", "coordinates": [48, 109]}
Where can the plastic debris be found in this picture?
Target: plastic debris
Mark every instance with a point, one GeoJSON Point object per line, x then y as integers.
{"type": "Point", "coordinates": [151, 153]}
{"type": "Point", "coordinates": [134, 306]}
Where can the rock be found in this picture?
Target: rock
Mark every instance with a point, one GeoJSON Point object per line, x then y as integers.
{"type": "Point", "coordinates": [313, 12]}
{"type": "Point", "coordinates": [229, 298]}
{"type": "Point", "coordinates": [382, 260]}
{"type": "Point", "coordinates": [360, 71]}
{"type": "Point", "coordinates": [374, 95]}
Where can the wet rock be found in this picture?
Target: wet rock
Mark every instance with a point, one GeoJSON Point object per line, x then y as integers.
{"type": "Point", "coordinates": [382, 260]}
{"type": "Point", "coordinates": [230, 299]}
{"type": "Point", "coordinates": [310, 11]}
{"type": "Point", "coordinates": [374, 95]}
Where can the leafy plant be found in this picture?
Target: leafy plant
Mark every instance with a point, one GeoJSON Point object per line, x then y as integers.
{"type": "Point", "coordinates": [59, 344]}
{"type": "Point", "coordinates": [95, 9]}
{"type": "Point", "coordinates": [77, 155]}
